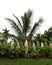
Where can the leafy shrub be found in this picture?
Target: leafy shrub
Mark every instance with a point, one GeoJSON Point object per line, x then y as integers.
{"type": "Point", "coordinates": [34, 54]}
{"type": "Point", "coordinates": [6, 50]}
{"type": "Point", "coordinates": [46, 52]}
{"type": "Point", "coordinates": [50, 53]}
{"type": "Point", "coordinates": [42, 52]}
{"type": "Point", "coordinates": [22, 52]}
{"type": "Point", "coordinates": [13, 51]}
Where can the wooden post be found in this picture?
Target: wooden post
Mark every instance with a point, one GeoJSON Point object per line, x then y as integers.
{"type": "Point", "coordinates": [46, 45]}
{"type": "Point", "coordinates": [29, 47]}
{"type": "Point", "coordinates": [21, 45]}
{"type": "Point", "coordinates": [38, 45]}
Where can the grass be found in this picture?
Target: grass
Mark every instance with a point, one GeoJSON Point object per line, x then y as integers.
{"type": "Point", "coordinates": [43, 61]}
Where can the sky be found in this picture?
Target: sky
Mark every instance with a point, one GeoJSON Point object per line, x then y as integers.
{"type": "Point", "coordinates": [40, 8]}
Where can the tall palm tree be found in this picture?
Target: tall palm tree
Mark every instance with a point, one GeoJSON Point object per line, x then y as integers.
{"type": "Point", "coordinates": [25, 27]}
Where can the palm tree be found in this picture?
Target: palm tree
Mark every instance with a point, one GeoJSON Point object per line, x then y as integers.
{"type": "Point", "coordinates": [22, 29]}
{"type": "Point", "coordinates": [48, 34]}
{"type": "Point", "coordinates": [5, 35]}
{"type": "Point", "coordinates": [39, 39]}
{"type": "Point", "coordinates": [1, 39]}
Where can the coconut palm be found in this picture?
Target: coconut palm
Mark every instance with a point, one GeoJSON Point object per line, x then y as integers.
{"type": "Point", "coordinates": [22, 29]}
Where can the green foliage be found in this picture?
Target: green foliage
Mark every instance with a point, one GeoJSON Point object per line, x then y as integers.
{"type": "Point", "coordinates": [50, 52]}
{"type": "Point", "coordinates": [39, 37]}
{"type": "Point", "coordinates": [46, 52]}
{"type": "Point", "coordinates": [42, 52]}
{"type": "Point", "coordinates": [35, 55]}
{"type": "Point", "coordinates": [22, 53]}
{"type": "Point", "coordinates": [48, 34]}
{"type": "Point", "coordinates": [6, 50]}
{"type": "Point", "coordinates": [22, 29]}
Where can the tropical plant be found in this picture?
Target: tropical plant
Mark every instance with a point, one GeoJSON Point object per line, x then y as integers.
{"type": "Point", "coordinates": [13, 52]}
{"type": "Point", "coordinates": [1, 38]}
{"type": "Point", "coordinates": [42, 52]}
{"type": "Point", "coordinates": [22, 53]}
{"type": "Point", "coordinates": [24, 28]}
{"type": "Point", "coordinates": [48, 34]}
{"type": "Point", "coordinates": [34, 54]}
{"type": "Point", "coordinates": [50, 52]}
{"type": "Point", "coordinates": [39, 37]}
{"type": "Point", "coordinates": [5, 34]}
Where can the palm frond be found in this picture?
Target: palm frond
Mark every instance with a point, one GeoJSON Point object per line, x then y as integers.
{"type": "Point", "coordinates": [26, 21]}
{"type": "Point", "coordinates": [14, 25]}
{"type": "Point", "coordinates": [18, 20]}
{"type": "Point", "coordinates": [5, 31]}
{"type": "Point", "coordinates": [29, 13]}
{"type": "Point", "coordinates": [11, 35]}
{"type": "Point", "coordinates": [36, 25]}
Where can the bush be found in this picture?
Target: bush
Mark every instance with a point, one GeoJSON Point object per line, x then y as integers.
{"type": "Point", "coordinates": [6, 50]}
{"type": "Point", "coordinates": [46, 52]}
{"type": "Point", "coordinates": [13, 51]}
{"type": "Point", "coordinates": [21, 53]}
{"type": "Point", "coordinates": [42, 52]}
{"type": "Point", "coordinates": [50, 53]}
{"type": "Point", "coordinates": [34, 54]}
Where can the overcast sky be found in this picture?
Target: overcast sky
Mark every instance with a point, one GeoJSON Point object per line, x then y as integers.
{"type": "Point", "coordinates": [40, 8]}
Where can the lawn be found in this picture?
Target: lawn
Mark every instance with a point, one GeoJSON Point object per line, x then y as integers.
{"type": "Point", "coordinates": [43, 61]}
